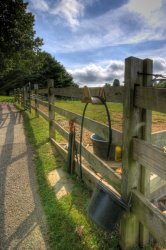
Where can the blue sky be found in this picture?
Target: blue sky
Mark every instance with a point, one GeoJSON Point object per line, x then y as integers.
{"type": "Point", "coordinates": [91, 38]}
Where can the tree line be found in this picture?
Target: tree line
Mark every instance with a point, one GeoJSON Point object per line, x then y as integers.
{"type": "Point", "coordinates": [21, 57]}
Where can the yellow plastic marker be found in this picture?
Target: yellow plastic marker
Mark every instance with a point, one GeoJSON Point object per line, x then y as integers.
{"type": "Point", "coordinates": [118, 153]}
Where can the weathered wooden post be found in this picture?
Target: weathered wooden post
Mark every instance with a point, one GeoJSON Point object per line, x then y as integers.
{"type": "Point", "coordinates": [25, 97]}
{"type": "Point", "coordinates": [29, 96]}
{"type": "Point", "coordinates": [51, 107]}
{"type": "Point", "coordinates": [18, 90]}
{"type": "Point", "coordinates": [22, 97]}
{"type": "Point", "coordinates": [137, 122]}
{"type": "Point", "coordinates": [146, 135]}
{"type": "Point", "coordinates": [129, 230]}
{"type": "Point", "coordinates": [71, 147]}
{"type": "Point", "coordinates": [15, 96]}
{"type": "Point", "coordinates": [36, 100]}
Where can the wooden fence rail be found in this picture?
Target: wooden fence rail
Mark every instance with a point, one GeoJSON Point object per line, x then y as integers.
{"type": "Point", "coordinates": [140, 156]}
{"type": "Point", "coordinates": [150, 156]}
{"type": "Point", "coordinates": [150, 216]}
{"type": "Point", "coordinates": [113, 94]}
{"type": "Point", "coordinates": [96, 163]}
{"type": "Point", "coordinates": [150, 98]}
{"type": "Point", "coordinates": [91, 125]}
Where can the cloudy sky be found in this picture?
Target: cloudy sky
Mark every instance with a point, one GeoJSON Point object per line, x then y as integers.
{"type": "Point", "coordinates": [91, 38]}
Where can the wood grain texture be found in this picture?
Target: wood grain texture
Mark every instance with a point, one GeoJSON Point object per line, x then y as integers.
{"type": "Point", "coordinates": [36, 100]}
{"type": "Point", "coordinates": [29, 95]}
{"type": "Point", "coordinates": [129, 230]}
{"type": "Point", "coordinates": [145, 135]}
{"type": "Point", "coordinates": [88, 176]}
{"type": "Point", "coordinates": [159, 138]}
{"type": "Point", "coordinates": [96, 163]}
{"type": "Point", "coordinates": [43, 91]}
{"type": "Point", "coordinates": [63, 152]}
{"type": "Point", "coordinates": [112, 94]}
{"type": "Point", "coordinates": [32, 106]}
{"type": "Point", "coordinates": [61, 130]}
{"type": "Point", "coordinates": [151, 98]}
{"type": "Point", "coordinates": [150, 156]}
{"type": "Point", "coordinates": [45, 104]}
{"type": "Point", "coordinates": [155, 183]}
{"type": "Point", "coordinates": [43, 115]}
{"type": "Point", "coordinates": [50, 107]}
{"type": "Point", "coordinates": [102, 168]}
{"type": "Point", "coordinates": [150, 216]}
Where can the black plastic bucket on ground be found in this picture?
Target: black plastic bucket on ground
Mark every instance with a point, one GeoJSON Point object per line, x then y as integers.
{"type": "Point", "coordinates": [106, 207]}
{"type": "Point", "coordinates": [100, 147]}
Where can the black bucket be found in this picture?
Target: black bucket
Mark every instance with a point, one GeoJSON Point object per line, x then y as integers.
{"type": "Point", "coordinates": [106, 207]}
{"type": "Point", "coordinates": [100, 147]}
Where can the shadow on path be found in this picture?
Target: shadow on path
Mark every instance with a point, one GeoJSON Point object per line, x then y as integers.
{"type": "Point", "coordinates": [21, 217]}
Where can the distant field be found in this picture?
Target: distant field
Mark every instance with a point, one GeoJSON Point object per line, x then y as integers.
{"type": "Point", "coordinates": [97, 112]}
{"type": "Point", "coordinates": [6, 99]}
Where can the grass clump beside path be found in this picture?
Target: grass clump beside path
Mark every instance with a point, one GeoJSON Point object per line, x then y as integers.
{"type": "Point", "coordinates": [7, 99]}
{"type": "Point", "coordinates": [69, 228]}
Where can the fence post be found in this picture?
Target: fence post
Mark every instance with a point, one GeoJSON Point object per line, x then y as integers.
{"type": "Point", "coordinates": [36, 101]}
{"type": "Point", "coordinates": [29, 96]}
{"type": "Point", "coordinates": [18, 91]}
{"type": "Point", "coordinates": [71, 147]}
{"type": "Point", "coordinates": [25, 97]}
{"type": "Point", "coordinates": [146, 135]}
{"type": "Point", "coordinates": [51, 108]}
{"type": "Point", "coordinates": [15, 96]}
{"type": "Point", "coordinates": [22, 97]}
{"type": "Point", "coordinates": [129, 230]}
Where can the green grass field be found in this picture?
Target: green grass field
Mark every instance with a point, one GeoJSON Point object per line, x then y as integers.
{"type": "Point", "coordinates": [7, 99]}
{"type": "Point", "coordinates": [97, 112]}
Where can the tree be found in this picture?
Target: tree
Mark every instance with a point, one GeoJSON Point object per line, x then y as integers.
{"type": "Point", "coordinates": [21, 57]}
{"type": "Point", "coordinates": [161, 84]}
{"type": "Point", "coordinates": [16, 28]}
{"type": "Point", "coordinates": [52, 69]}
{"type": "Point", "coordinates": [36, 68]}
{"type": "Point", "coordinates": [116, 83]}
{"type": "Point", "coordinates": [107, 84]}
{"type": "Point", "coordinates": [17, 36]}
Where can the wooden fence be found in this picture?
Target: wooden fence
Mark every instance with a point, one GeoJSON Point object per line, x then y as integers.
{"type": "Point", "coordinates": [140, 156]}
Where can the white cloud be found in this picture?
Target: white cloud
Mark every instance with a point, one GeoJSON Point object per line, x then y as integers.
{"type": "Point", "coordinates": [137, 21]}
{"type": "Point", "coordinates": [71, 10]}
{"type": "Point", "coordinates": [159, 65]}
{"type": "Point", "coordinates": [150, 10]}
{"type": "Point", "coordinates": [145, 8]}
{"type": "Point", "coordinates": [115, 27]}
{"type": "Point", "coordinates": [107, 71]}
{"type": "Point", "coordinates": [41, 5]}
{"type": "Point", "coordinates": [96, 75]}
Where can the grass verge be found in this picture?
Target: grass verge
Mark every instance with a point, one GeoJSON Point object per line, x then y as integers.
{"type": "Point", "coordinates": [69, 228]}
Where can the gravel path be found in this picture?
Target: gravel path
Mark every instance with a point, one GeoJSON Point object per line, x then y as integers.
{"type": "Point", "coordinates": [22, 222]}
